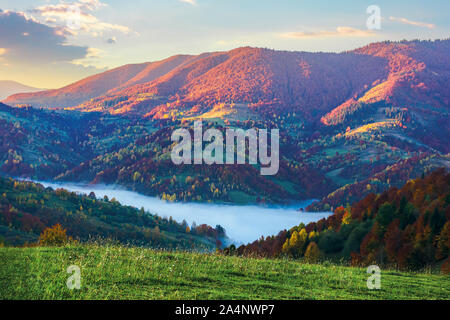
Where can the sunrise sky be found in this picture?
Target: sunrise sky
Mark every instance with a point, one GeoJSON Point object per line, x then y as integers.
{"type": "Point", "coordinates": [48, 44]}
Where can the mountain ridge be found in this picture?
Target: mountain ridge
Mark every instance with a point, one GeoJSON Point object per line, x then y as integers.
{"type": "Point", "coordinates": [325, 84]}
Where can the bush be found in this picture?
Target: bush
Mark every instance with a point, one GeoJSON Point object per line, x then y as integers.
{"type": "Point", "coordinates": [54, 236]}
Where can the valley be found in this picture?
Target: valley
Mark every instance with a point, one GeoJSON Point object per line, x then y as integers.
{"type": "Point", "coordinates": [134, 153]}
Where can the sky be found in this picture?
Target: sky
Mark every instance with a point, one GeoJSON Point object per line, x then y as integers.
{"type": "Point", "coordinates": [49, 44]}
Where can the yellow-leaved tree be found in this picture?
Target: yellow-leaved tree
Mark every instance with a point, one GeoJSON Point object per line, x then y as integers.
{"type": "Point", "coordinates": [312, 253]}
{"type": "Point", "coordinates": [295, 245]}
{"type": "Point", "coordinates": [54, 236]}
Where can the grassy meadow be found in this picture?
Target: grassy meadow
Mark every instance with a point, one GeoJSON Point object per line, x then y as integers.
{"type": "Point", "coordinates": [117, 272]}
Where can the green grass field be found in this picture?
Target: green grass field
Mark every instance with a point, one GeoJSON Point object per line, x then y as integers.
{"type": "Point", "coordinates": [110, 272]}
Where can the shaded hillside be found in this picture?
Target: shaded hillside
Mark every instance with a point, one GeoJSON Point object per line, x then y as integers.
{"type": "Point", "coordinates": [146, 167]}
{"type": "Point", "coordinates": [134, 152]}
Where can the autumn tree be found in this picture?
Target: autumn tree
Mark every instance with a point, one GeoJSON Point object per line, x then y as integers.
{"type": "Point", "coordinates": [443, 242]}
{"type": "Point", "coordinates": [312, 253]}
{"type": "Point", "coordinates": [393, 241]}
{"type": "Point", "coordinates": [54, 236]}
{"type": "Point", "coordinates": [295, 245]}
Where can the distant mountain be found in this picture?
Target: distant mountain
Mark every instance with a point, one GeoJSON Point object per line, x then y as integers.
{"type": "Point", "coordinates": [8, 87]}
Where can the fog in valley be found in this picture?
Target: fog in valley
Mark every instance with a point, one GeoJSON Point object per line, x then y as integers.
{"type": "Point", "coordinates": [243, 224]}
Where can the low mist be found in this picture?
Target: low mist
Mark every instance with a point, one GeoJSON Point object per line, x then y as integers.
{"type": "Point", "coordinates": [243, 224]}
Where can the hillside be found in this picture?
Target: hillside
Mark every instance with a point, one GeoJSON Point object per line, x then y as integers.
{"type": "Point", "coordinates": [41, 143]}
{"type": "Point", "coordinates": [406, 228]}
{"type": "Point", "coordinates": [392, 176]}
{"type": "Point", "coordinates": [147, 168]}
{"type": "Point", "coordinates": [134, 152]}
{"type": "Point", "coordinates": [8, 88]}
{"type": "Point", "coordinates": [112, 273]}
{"type": "Point", "coordinates": [26, 209]}
{"type": "Point", "coordinates": [417, 75]}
